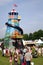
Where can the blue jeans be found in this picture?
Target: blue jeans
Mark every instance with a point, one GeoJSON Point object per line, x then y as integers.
{"type": "Point", "coordinates": [28, 63]}
{"type": "Point", "coordinates": [21, 61]}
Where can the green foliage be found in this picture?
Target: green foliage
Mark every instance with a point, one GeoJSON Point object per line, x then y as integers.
{"type": "Point", "coordinates": [38, 34]}
{"type": "Point", "coordinates": [35, 36]}
{"type": "Point", "coordinates": [32, 36]}
{"type": "Point", "coordinates": [25, 36]}
{"type": "Point", "coordinates": [2, 39]}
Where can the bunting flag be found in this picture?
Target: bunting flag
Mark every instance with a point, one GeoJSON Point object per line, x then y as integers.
{"type": "Point", "coordinates": [15, 5]}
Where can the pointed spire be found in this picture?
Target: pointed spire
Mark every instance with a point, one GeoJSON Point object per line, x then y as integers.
{"type": "Point", "coordinates": [13, 10]}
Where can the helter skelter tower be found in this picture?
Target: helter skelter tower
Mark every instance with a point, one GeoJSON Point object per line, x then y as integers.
{"type": "Point", "coordinates": [13, 30]}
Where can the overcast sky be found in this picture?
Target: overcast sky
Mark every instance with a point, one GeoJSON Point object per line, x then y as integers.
{"type": "Point", "coordinates": [31, 12]}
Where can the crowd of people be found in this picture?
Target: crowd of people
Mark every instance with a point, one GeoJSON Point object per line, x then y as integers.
{"type": "Point", "coordinates": [25, 55]}
{"type": "Point", "coordinates": [22, 55]}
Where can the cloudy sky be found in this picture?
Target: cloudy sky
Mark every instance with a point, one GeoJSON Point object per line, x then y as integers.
{"type": "Point", "coordinates": [31, 12]}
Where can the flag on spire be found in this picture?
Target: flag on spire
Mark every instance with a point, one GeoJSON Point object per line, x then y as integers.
{"type": "Point", "coordinates": [15, 5]}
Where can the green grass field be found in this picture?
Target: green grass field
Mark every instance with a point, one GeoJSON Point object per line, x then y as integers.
{"type": "Point", "coordinates": [38, 61]}
{"type": "Point", "coordinates": [5, 60]}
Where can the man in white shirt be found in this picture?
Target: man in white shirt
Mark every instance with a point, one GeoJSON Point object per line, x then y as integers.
{"type": "Point", "coordinates": [28, 57]}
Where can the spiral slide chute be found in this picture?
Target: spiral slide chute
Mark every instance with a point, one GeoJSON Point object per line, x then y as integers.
{"type": "Point", "coordinates": [15, 27]}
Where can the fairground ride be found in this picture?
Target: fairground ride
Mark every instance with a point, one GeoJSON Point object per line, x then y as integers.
{"type": "Point", "coordinates": [13, 30]}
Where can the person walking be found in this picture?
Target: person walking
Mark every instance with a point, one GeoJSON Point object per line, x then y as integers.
{"type": "Point", "coordinates": [28, 57]}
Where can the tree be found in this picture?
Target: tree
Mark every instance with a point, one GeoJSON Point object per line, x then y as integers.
{"type": "Point", "coordinates": [2, 39]}
{"type": "Point", "coordinates": [30, 36]}
{"type": "Point", "coordinates": [25, 37]}
{"type": "Point", "coordinates": [35, 36]}
{"type": "Point", "coordinates": [40, 33]}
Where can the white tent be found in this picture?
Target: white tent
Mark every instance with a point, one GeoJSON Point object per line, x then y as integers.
{"type": "Point", "coordinates": [39, 41]}
{"type": "Point", "coordinates": [27, 42]}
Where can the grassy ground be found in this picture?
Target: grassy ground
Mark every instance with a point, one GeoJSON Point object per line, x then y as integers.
{"type": "Point", "coordinates": [38, 61]}
{"type": "Point", "coordinates": [5, 60]}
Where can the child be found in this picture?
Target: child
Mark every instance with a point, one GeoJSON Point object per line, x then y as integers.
{"type": "Point", "coordinates": [15, 59]}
